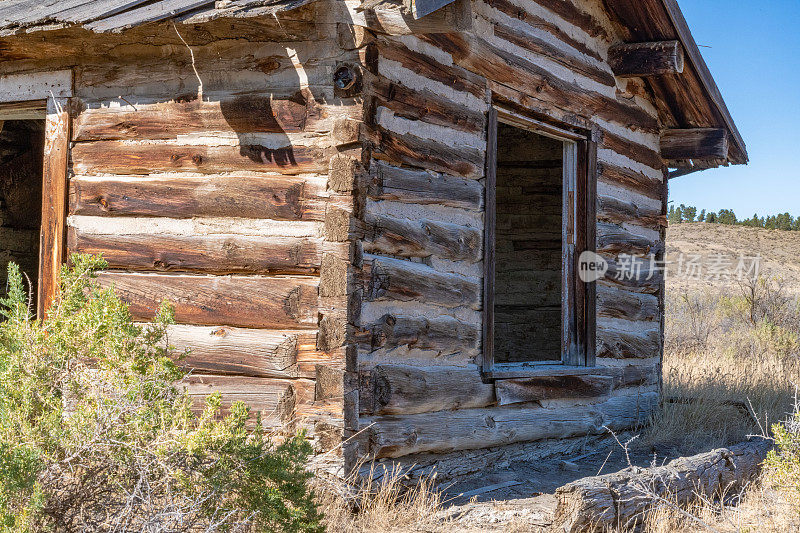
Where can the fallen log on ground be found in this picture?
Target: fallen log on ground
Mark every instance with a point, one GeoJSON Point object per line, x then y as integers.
{"type": "Point", "coordinates": [621, 500]}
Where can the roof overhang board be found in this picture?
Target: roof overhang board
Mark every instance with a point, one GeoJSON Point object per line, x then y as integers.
{"type": "Point", "coordinates": [696, 144]}
{"type": "Point", "coordinates": [688, 100]}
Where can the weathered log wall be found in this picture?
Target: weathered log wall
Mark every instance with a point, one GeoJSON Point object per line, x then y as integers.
{"type": "Point", "coordinates": [324, 249]}
{"type": "Point", "coordinates": [418, 319]}
{"type": "Point", "coordinates": [220, 200]}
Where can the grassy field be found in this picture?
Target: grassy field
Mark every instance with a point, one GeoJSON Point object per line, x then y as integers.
{"type": "Point", "coordinates": [731, 364]}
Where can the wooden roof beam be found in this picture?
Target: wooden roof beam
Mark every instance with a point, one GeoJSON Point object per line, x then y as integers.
{"type": "Point", "coordinates": [646, 59]}
{"type": "Point", "coordinates": [696, 144]}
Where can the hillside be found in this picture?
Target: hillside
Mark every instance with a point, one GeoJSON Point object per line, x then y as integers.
{"type": "Point", "coordinates": [779, 253]}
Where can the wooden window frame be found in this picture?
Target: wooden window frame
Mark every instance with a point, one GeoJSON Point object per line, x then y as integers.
{"type": "Point", "coordinates": [578, 338]}
{"type": "Point", "coordinates": [45, 95]}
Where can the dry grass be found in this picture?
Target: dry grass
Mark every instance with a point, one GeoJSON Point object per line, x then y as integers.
{"type": "Point", "coordinates": [715, 354]}
{"type": "Point", "coordinates": [386, 503]}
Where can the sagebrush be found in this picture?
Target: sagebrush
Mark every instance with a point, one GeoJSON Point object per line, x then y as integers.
{"type": "Point", "coordinates": [96, 436]}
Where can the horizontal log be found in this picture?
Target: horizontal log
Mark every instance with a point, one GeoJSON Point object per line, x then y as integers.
{"type": "Point", "coordinates": [442, 333]}
{"type": "Point", "coordinates": [696, 143]}
{"type": "Point", "coordinates": [619, 211]}
{"type": "Point", "coordinates": [614, 302]}
{"type": "Point", "coordinates": [614, 239]}
{"type": "Point", "coordinates": [426, 106]}
{"type": "Point", "coordinates": [227, 350]}
{"type": "Point", "coordinates": [624, 376]}
{"type": "Point", "coordinates": [274, 399]}
{"type": "Point", "coordinates": [643, 277]}
{"type": "Point", "coordinates": [646, 59]}
{"type": "Point", "coordinates": [630, 179]}
{"type": "Point", "coordinates": [273, 197]}
{"type": "Point", "coordinates": [628, 147]}
{"type": "Point", "coordinates": [546, 48]}
{"type": "Point", "coordinates": [523, 390]}
{"type": "Point", "coordinates": [454, 77]}
{"type": "Point", "coordinates": [625, 498]}
{"type": "Point", "coordinates": [481, 57]}
{"type": "Point", "coordinates": [395, 279]}
{"type": "Point", "coordinates": [392, 18]}
{"type": "Point", "coordinates": [220, 254]}
{"type": "Point", "coordinates": [641, 341]}
{"type": "Point", "coordinates": [578, 16]}
{"type": "Point", "coordinates": [468, 429]}
{"type": "Point", "coordinates": [119, 157]}
{"type": "Point", "coordinates": [413, 151]}
{"type": "Point", "coordinates": [422, 238]}
{"type": "Point", "coordinates": [599, 382]}
{"type": "Point", "coordinates": [404, 390]}
{"type": "Point", "coordinates": [249, 113]}
{"type": "Point", "coordinates": [388, 182]}
{"type": "Point", "coordinates": [244, 301]}
{"type": "Point", "coordinates": [549, 25]}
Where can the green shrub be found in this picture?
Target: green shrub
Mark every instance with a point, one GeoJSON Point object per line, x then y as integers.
{"type": "Point", "coordinates": [94, 436]}
{"type": "Point", "coordinates": [783, 463]}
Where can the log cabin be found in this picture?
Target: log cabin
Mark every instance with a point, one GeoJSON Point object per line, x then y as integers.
{"type": "Point", "coordinates": [370, 214]}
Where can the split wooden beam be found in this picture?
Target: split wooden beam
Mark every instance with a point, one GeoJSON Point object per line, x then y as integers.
{"type": "Point", "coordinates": [646, 59]}
{"type": "Point", "coordinates": [695, 144]}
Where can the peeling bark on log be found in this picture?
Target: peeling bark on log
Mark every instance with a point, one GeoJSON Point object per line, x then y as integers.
{"type": "Point", "coordinates": [614, 302]}
{"type": "Point", "coordinates": [511, 391]}
{"type": "Point", "coordinates": [626, 344]}
{"type": "Point", "coordinates": [621, 500]}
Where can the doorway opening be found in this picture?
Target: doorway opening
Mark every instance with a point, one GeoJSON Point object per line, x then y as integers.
{"type": "Point", "coordinates": [21, 171]}
{"type": "Point", "coordinates": [540, 217]}
{"type": "Point", "coordinates": [530, 226]}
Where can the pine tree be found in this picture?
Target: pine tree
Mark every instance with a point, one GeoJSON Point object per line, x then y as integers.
{"type": "Point", "coordinates": [702, 216]}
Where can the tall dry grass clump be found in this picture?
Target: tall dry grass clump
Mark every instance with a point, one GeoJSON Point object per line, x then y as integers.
{"type": "Point", "coordinates": [731, 362]}
{"type": "Point", "coordinates": [387, 501]}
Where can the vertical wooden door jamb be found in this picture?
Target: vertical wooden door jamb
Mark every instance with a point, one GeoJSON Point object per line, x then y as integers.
{"type": "Point", "coordinates": [588, 178]}
{"type": "Point", "coordinates": [489, 225]}
{"type": "Point", "coordinates": [54, 200]}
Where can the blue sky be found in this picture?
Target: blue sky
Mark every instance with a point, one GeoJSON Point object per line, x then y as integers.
{"type": "Point", "coordinates": [754, 55]}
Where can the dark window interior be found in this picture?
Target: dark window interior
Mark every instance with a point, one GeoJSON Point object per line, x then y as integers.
{"type": "Point", "coordinates": [21, 153]}
{"type": "Point", "coordinates": [528, 247]}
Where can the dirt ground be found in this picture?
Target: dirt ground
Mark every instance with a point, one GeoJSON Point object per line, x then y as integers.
{"type": "Point", "coordinates": [779, 253]}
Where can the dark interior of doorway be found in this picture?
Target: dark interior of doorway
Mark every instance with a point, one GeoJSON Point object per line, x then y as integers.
{"type": "Point", "coordinates": [528, 247]}
{"type": "Point", "coordinates": [21, 154]}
